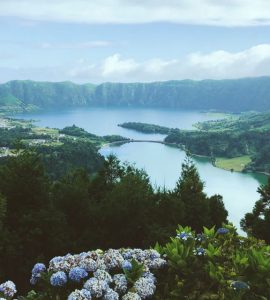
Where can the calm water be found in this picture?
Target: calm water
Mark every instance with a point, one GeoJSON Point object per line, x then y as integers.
{"type": "Point", "coordinates": [162, 163]}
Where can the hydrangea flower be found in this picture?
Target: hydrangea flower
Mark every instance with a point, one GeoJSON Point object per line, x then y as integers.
{"type": "Point", "coordinates": [80, 295]}
{"type": "Point", "coordinates": [154, 254]}
{"type": "Point", "coordinates": [103, 275]}
{"type": "Point", "coordinates": [144, 287]}
{"type": "Point", "coordinates": [239, 285]}
{"type": "Point", "coordinates": [120, 282]}
{"type": "Point", "coordinates": [96, 287]}
{"type": "Point", "coordinates": [113, 259]}
{"type": "Point", "coordinates": [184, 235]}
{"type": "Point", "coordinates": [58, 279]}
{"type": "Point", "coordinates": [126, 265]}
{"type": "Point", "coordinates": [150, 276]}
{"type": "Point", "coordinates": [200, 237]}
{"type": "Point", "coordinates": [88, 264]}
{"type": "Point", "coordinates": [77, 274]}
{"type": "Point", "coordinates": [131, 296]}
{"type": "Point", "coordinates": [38, 268]}
{"type": "Point", "coordinates": [223, 230]}
{"type": "Point", "coordinates": [8, 288]}
{"type": "Point", "coordinates": [111, 295]}
{"type": "Point", "coordinates": [199, 251]}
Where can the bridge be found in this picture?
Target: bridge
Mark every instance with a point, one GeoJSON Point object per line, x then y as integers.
{"type": "Point", "coordinates": [142, 141]}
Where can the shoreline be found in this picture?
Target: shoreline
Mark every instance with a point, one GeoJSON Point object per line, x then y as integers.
{"type": "Point", "coordinates": [211, 160]}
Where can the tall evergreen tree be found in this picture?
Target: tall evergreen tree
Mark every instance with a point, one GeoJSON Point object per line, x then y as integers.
{"type": "Point", "coordinates": [257, 222]}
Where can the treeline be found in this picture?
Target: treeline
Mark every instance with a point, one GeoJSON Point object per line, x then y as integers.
{"type": "Point", "coordinates": [41, 218]}
{"type": "Point", "coordinates": [227, 144]}
{"type": "Point", "coordinates": [145, 127]}
{"type": "Point", "coordinates": [235, 95]}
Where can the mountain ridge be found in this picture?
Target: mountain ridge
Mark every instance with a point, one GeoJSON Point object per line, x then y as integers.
{"type": "Point", "coordinates": [233, 95]}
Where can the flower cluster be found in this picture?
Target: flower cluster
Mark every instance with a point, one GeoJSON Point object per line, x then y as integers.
{"type": "Point", "coordinates": [184, 235]}
{"type": "Point", "coordinates": [103, 274]}
{"type": "Point", "coordinates": [222, 230]}
{"type": "Point", "coordinates": [8, 289]}
{"type": "Point", "coordinates": [37, 270]}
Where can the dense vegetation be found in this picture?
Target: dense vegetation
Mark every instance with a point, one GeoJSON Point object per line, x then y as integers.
{"type": "Point", "coordinates": [41, 218]}
{"type": "Point", "coordinates": [247, 135]}
{"type": "Point", "coordinates": [213, 264]}
{"type": "Point", "coordinates": [145, 127]}
{"type": "Point", "coordinates": [226, 95]}
{"type": "Point", "coordinates": [257, 222]}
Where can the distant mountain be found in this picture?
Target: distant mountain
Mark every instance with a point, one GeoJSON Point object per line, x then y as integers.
{"type": "Point", "coordinates": [226, 95]}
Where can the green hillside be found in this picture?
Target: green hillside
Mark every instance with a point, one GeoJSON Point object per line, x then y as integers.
{"type": "Point", "coordinates": [235, 95]}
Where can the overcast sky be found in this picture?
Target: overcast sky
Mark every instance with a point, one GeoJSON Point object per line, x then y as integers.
{"type": "Point", "coordinates": [133, 40]}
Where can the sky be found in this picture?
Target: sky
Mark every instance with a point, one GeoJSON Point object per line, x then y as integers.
{"type": "Point", "coordinates": [133, 40]}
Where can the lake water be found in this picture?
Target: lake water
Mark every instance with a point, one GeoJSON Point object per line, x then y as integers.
{"type": "Point", "coordinates": [161, 162]}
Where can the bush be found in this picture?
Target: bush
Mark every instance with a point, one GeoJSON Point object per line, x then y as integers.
{"type": "Point", "coordinates": [215, 264]}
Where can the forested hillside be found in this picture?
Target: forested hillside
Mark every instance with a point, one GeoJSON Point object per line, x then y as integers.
{"type": "Point", "coordinates": [226, 95]}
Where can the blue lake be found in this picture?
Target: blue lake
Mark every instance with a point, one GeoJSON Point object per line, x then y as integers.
{"type": "Point", "coordinates": [162, 163]}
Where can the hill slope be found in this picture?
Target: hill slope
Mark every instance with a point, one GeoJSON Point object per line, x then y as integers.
{"type": "Point", "coordinates": [226, 95]}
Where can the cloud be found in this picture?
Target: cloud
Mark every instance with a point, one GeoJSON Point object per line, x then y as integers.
{"type": "Point", "coordinates": [216, 65]}
{"type": "Point", "coordinates": [204, 12]}
{"type": "Point", "coordinates": [82, 45]}
{"type": "Point", "coordinates": [220, 64]}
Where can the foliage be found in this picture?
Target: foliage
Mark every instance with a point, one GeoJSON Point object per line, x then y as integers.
{"type": "Point", "coordinates": [245, 136]}
{"type": "Point", "coordinates": [145, 127]}
{"type": "Point", "coordinates": [257, 223]}
{"type": "Point", "coordinates": [224, 95]}
{"type": "Point", "coordinates": [214, 265]}
{"type": "Point", "coordinates": [79, 211]}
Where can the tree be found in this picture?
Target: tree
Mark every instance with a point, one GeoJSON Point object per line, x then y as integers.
{"type": "Point", "coordinates": [199, 209]}
{"type": "Point", "coordinates": [257, 222]}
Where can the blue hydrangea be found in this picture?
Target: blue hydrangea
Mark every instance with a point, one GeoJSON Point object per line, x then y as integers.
{"type": "Point", "coordinates": [8, 288]}
{"type": "Point", "coordinates": [80, 294]}
{"type": "Point", "coordinates": [77, 274]}
{"type": "Point", "coordinates": [111, 295]}
{"type": "Point", "coordinates": [131, 296]}
{"type": "Point", "coordinates": [154, 254]}
{"type": "Point", "coordinates": [120, 283]}
{"type": "Point", "coordinates": [184, 235]}
{"type": "Point", "coordinates": [200, 237]}
{"type": "Point", "coordinates": [199, 251]}
{"type": "Point", "coordinates": [150, 276]}
{"type": "Point", "coordinates": [103, 275]}
{"type": "Point", "coordinates": [33, 280]}
{"type": "Point", "coordinates": [223, 230]}
{"type": "Point", "coordinates": [239, 285]}
{"type": "Point", "coordinates": [144, 287]}
{"type": "Point", "coordinates": [38, 268]}
{"type": "Point", "coordinates": [126, 265]}
{"type": "Point", "coordinates": [58, 279]}
{"type": "Point", "coordinates": [96, 287]}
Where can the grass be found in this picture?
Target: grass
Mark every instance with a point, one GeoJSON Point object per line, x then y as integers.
{"type": "Point", "coordinates": [46, 130]}
{"type": "Point", "coordinates": [233, 164]}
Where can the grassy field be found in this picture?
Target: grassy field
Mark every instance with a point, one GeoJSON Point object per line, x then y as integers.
{"type": "Point", "coordinates": [40, 130]}
{"type": "Point", "coordinates": [236, 164]}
